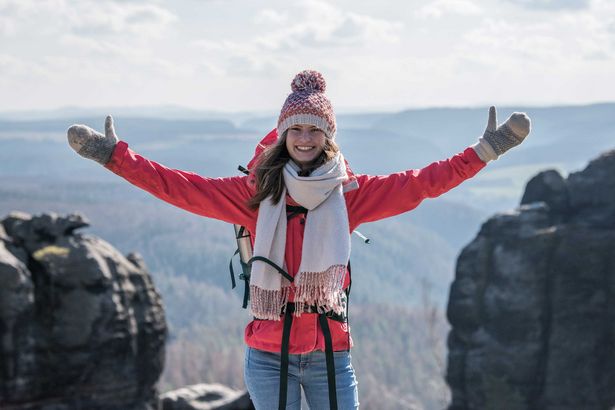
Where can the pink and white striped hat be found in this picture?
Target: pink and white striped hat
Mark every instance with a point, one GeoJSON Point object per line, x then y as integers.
{"type": "Point", "coordinates": [307, 104]}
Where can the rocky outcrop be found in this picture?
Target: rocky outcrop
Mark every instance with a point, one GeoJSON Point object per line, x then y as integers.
{"type": "Point", "coordinates": [532, 306]}
{"type": "Point", "coordinates": [206, 397]}
{"type": "Point", "coordinates": [82, 326]}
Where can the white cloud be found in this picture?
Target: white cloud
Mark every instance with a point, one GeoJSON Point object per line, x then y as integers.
{"type": "Point", "coordinates": [270, 16]}
{"type": "Point", "coordinates": [362, 28]}
{"type": "Point", "coordinates": [208, 45]}
{"type": "Point", "coordinates": [322, 26]}
{"type": "Point", "coordinates": [327, 26]}
{"type": "Point", "coordinates": [438, 8]}
{"type": "Point", "coordinates": [11, 66]}
{"type": "Point", "coordinates": [86, 17]}
{"type": "Point", "coordinates": [500, 42]}
{"type": "Point", "coordinates": [84, 46]}
{"type": "Point", "coordinates": [23, 74]}
{"type": "Point", "coordinates": [552, 4]}
{"type": "Point", "coordinates": [99, 19]}
{"type": "Point", "coordinates": [437, 52]}
{"type": "Point", "coordinates": [11, 13]}
{"type": "Point", "coordinates": [549, 43]}
{"type": "Point", "coordinates": [7, 27]}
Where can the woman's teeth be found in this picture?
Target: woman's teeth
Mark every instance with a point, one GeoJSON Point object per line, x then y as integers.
{"type": "Point", "coordinates": [304, 148]}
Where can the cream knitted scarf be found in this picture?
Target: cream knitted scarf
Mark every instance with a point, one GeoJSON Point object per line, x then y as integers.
{"type": "Point", "coordinates": [326, 243]}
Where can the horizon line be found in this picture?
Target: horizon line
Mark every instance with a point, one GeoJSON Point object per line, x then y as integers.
{"type": "Point", "coordinates": [339, 111]}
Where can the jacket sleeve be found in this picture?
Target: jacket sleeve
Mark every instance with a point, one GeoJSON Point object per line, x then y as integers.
{"type": "Point", "coordinates": [382, 196]}
{"type": "Point", "coordinates": [218, 198]}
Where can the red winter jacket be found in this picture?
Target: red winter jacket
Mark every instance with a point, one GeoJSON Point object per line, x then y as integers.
{"type": "Point", "coordinates": [377, 197]}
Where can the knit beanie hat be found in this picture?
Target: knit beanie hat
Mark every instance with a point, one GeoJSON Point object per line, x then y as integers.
{"type": "Point", "coordinates": [307, 104]}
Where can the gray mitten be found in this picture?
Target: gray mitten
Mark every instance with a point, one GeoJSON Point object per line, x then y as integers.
{"type": "Point", "coordinates": [91, 144]}
{"type": "Point", "coordinates": [497, 140]}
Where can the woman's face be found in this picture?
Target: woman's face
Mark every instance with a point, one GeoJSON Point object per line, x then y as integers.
{"type": "Point", "coordinates": [305, 143]}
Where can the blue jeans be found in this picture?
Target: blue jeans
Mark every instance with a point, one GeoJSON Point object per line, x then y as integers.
{"type": "Point", "coordinates": [309, 370]}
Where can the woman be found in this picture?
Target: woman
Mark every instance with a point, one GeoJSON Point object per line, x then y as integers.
{"type": "Point", "coordinates": [301, 202]}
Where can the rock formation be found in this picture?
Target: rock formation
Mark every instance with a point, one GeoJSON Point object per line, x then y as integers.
{"type": "Point", "coordinates": [532, 307]}
{"type": "Point", "coordinates": [82, 326]}
{"type": "Point", "coordinates": [206, 397]}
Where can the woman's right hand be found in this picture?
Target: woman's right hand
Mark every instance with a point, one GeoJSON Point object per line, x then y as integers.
{"type": "Point", "coordinates": [91, 144]}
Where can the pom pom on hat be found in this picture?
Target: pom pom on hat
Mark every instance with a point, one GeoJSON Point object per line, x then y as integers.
{"type": "Point", "coordinates": [308, 81]}
{"type": "Point", "coordinates": [307, 104]}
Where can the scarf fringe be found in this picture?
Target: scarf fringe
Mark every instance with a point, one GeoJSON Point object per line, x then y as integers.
{"type": "Point", "coordinates": [267, 304]}
{"type": "Point", "coordinates": [321, 289]}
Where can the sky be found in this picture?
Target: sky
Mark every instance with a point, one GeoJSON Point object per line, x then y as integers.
{"type": "Point", "coordinates": [241, 55]}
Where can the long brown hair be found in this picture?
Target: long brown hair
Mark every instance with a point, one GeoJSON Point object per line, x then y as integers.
{"type": "Point", "coordinates": [268, 171]}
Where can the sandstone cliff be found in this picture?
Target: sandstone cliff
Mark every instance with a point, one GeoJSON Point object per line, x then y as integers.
{"type": "Point", "coordinates": [82, 326]}
{"type": "Point", "coordinates": [532, 306]}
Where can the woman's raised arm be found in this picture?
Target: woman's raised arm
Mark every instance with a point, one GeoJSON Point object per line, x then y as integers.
{"type": "Point", "coordinates": [219, 198]}
{"type": "Point", "coordinates": [383, 196]}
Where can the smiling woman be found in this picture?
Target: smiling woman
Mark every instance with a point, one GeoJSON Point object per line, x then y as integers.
{"type": "Point", "coordinates": [300, 203]}
{"type": "Point", "coordinates": [305, 143]}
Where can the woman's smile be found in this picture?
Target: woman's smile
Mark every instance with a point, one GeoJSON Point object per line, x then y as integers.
{"type": "Point", "coordinates": [303, 148]}
{"type": "Point", "coordinates": [305, 143]}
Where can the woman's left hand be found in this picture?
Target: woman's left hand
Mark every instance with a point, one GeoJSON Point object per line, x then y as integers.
{"type": "Point", "coordinates": [508, 135]}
